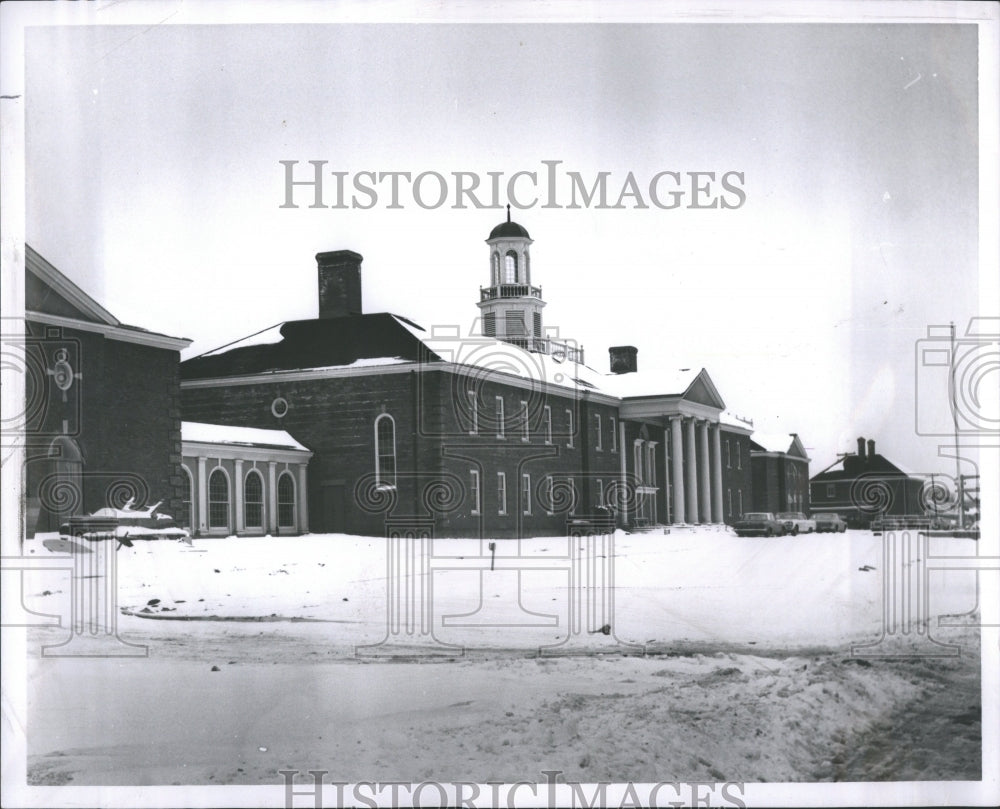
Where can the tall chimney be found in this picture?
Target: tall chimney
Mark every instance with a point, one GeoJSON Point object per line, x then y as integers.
{"type": "Point", "coordinates": [339, 283]}
{"type": "Point", "coordinates": [861, 448]}
{"type": "Point", "coordinates": [871, 447]}
{"type": "Point", "coordinates": [623, 359]}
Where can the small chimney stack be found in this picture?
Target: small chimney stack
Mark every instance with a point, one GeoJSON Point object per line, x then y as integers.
{"type": "Point", "coordinates": [861, 449]}
{"type": "Point", "coordinates": [339, 276]}
{"type": "Point", "coordinates": [871, 448]}
{"type": "Point", "coordinates": [623, 359]}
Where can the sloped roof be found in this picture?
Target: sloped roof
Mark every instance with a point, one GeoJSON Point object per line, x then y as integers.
{"type": "Point", "coordinates": [870, 465]}
{"type": "Point", "coordinates": [785, 443]}
{"type": "Point", "coordinates": [237, 436]}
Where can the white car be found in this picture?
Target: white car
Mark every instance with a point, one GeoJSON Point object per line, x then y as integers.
{"type": "Point", "coordinates": [795, 522]}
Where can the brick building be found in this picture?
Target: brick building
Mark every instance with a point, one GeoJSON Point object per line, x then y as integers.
{"type": "Point", "coordinates": [736, 468]}
{"type": "Point", "coordinates": [779, 472]}
{"type": "Point", "coordinates": [865, 485]}
{"type": "Point", "coordinates": [506, 432]}
{"type": "Point", "coordinates": [102, 409]}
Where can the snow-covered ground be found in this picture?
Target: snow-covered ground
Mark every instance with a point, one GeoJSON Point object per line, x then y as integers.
{"type": "Point", "coordinates": [748, 673]}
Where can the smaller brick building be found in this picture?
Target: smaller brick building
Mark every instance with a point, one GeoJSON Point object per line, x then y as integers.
{"type": "Point", "coordinates": [779, 472]}
{"type": "Point", "coordinates": [102, 420]}
{"type": "Point", "coordinates": [866, 485]}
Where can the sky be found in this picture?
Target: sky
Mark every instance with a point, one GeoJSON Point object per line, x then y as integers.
{"type": "Point", "coordinates": [154, 182]}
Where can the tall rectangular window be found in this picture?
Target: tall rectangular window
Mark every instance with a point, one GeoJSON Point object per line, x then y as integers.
{"type": "Point", "coordinates": [739, 494]}
{"type": "Point", "coordinates": [831, 490]}
{"type": "Point", "coordinates": [500, 423]}
{"type": "Point", "coordinates": [600, 438]}
{"type": "Point", "coordinates": [501, 493]}
{"type": "Point", "coordinates": [727, 455]}
{"type": "Point", "coordinates": [729, 499]}
{"type": "Point", "coordinates": [552, 494]}
{"type": "Point", "coordinates": [637, 460]}
{"type": "Point", "coordinates": [525, 430]}
{"type": "Point", "coordinates": [651, 465]}
{"type": "Point", "coordinates": [739, 459]}
{"type": "Point", "coordinates": [474, 490]}
{"type": "Point", "coordinates": [537, 317]}
{"type": "Point", "coordinates": [526, 494]}
{"type": "Point", "coordinates": [614, 434]}
{"type": "Point", "coordinates": [385, 450]}
{"type": "Point", "coordinates": [473, 413]}
{"type": "Point", "coordinates": [547, 423]}
{"type": "Point", "coordinates": [490, 324]}
{"type": "Point", "coordinates": [569, 428]}
{"type": "Point", "coordinates": [572, 495]}
{"type": "Point", "coordinates": [600, 492]}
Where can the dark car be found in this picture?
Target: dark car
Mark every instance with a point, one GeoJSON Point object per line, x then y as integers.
{"type": "Point", "coordinates": [759, 524]}
{"type": "Point", "coordinates": [830, 522]}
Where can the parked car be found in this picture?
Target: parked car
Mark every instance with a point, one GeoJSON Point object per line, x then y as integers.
{"type": "Point", "coordinates": [795, 522]}
{"type": "Point", "coordinates": [759, 524]}
{"type": "Point", "coordinates": [831, 522]}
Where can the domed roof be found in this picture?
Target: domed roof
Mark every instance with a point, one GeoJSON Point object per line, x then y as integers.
{"type": "Point", "coordinates": [508, 229]}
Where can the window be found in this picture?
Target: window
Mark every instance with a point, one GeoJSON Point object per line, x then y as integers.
{"type": "Point", "coordinates": [537, 317]}
{"type": "Point", "coordinates": [831, 490]}
{"type": "Point", "coordinates": [253, 500]}
{"type": "Point", "coordinates": [490, 324]}
{"type": "Point", "coordinates": [637, 460]}
{"type": "Point", "coordinates": [739, 460]}
{"type": "Point", "coordinates": [614, 434]}
{"type": "Point", "coordinates": [727, 455]}
{"type": "Point", "coordinates": [510, 267]}
{"type": "Point", "coordinates": [501, 493]}
{"type": "Point", "coordinates": [474, 489]}
{"type": "Point", "coordinates": [286, 501]}
{"type": "Point", "coordinates": [729, 500]}
{"type": "Point", "coordinates": [187, 505]}
{"type": "Point", "coordinates": [569, 428]}
{"type": "Point", "coordinates": [514, 320]}
{"type": "Point", "coordinates": [500, 424]}
{"type": "Point", "coordinates": [739, 494]}
{"type": "Point", "coordinates": [651, 465]}
{"type": "Point", "coordinates": [600, 492]}
{"type": "Point", "coordinates": [552, 494]}
{"type": "Point", "coordinates": [526, 494]}
{"type": "Point", "coordinates": [547, 423]}
{"type": "Point", "coordinates": [572, 495]}
{"type": "Point", "coordinates": [496, 269]}
{"type": "Point", "coordinates": [474, 411]}
{"type": "Point", "coordinates": [526, 432]}
{"type": "Point", "coordinates": [385, 451]}
{"type": "Point", "coordinates": [218, 500]}
{"type": "Point", "coordinates": [597, 421]}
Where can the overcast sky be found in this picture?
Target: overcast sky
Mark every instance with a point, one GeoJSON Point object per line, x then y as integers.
{"type": "Point", "coordinates": [154, 182]}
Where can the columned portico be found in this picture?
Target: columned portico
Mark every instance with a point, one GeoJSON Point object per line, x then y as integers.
{"type": "Point", "coordinates": [691, 483]}
{"type": "Point", "coordinates": [677, 470]}
{"type": "Point", "coordinates": [704, 493]}
{"type": "Point", "coordinates": [717, 516]}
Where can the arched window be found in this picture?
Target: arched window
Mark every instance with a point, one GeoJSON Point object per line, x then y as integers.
{"type": "Point", "coordinates": [286, 501]}
{"type": "Point", "coordinates": [385, 451]}
{"type": "Point", "coordinates": [218, 500]}
{"type": "Point", "coordinates": [510, 267]}
{"type": "Point", "coordinates": [187, 503]}
{"type": "Point", "coordinates": [253, 500]}
{"type": "Point", "coordinates": [496, 269]}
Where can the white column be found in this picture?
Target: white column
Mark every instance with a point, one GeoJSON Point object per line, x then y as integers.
{"type": "Point", "coordinates": [272, 498]}
{"type": "Point", "coordinates": [303, 501]}
{"type": "Point", "coordinates": [202, 496]}
{"type": "Point", "coordinates": [717, 514]}
{"type": "Point", "coordinates": [704, 496]}
{"type": "Point", "coordinates": [238, 497]}
{"type": "Point", "coordinates": [678, 468]}
{"type": "Point", "coordinates": [691, 470]}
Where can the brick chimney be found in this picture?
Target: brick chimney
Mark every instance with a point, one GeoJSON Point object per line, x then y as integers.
{"type": "Point", "coordinates": [339, 283]}
{"type": "Point", "coordinates": [871, 448]}
{"type": "Point", "coordinates": [623, 359]}
{"type": "Point", "coordinates": [861, 449]}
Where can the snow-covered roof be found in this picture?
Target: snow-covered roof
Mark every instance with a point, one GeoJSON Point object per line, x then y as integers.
{"type": "Point", "coordinates": [671, 382]}
{"type": "Point", "coordinates": [240, 436]}
{"type": "Point", "coordinates": [731, 419]}
{"type": "Point", "coordinates": [268, 336]}
{"type": "Point", "coordinates": [773, 442]}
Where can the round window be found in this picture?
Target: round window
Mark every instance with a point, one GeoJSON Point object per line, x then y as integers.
{"type": "Point", "coordinates": [279, 407]}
